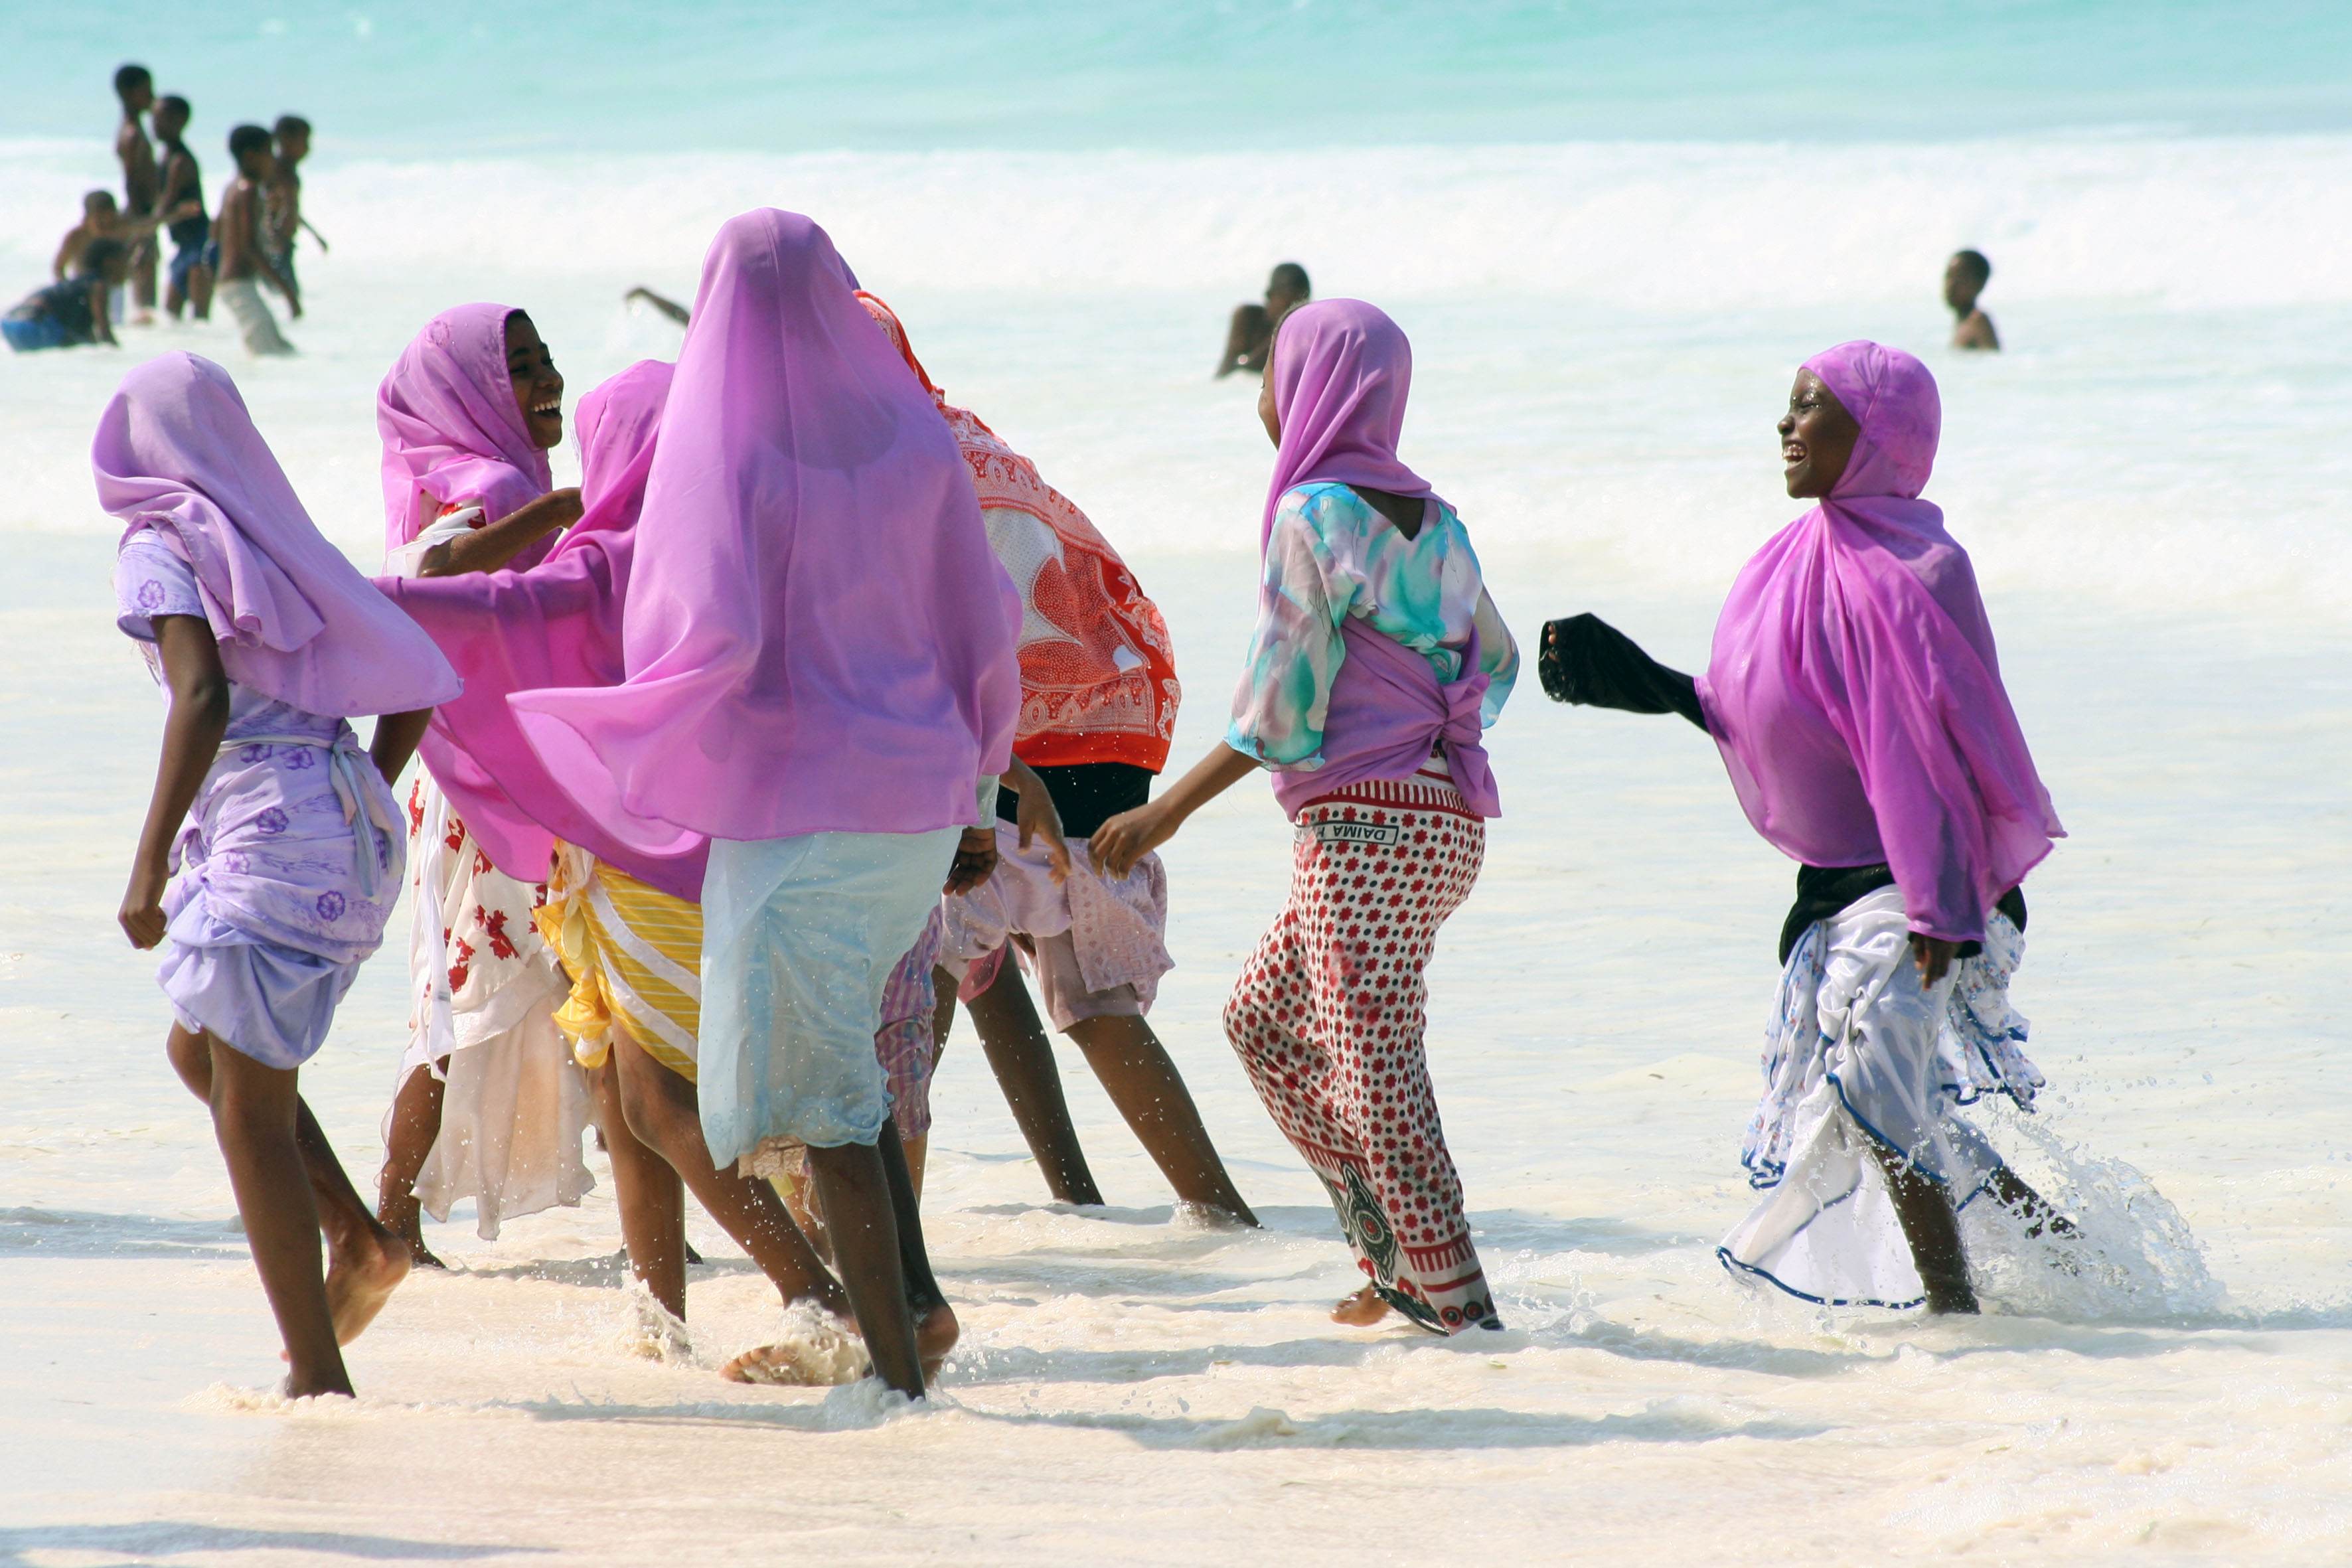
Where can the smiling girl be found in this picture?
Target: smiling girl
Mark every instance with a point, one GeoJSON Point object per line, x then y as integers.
{"type": "Point", "coordinates": [467, 415]}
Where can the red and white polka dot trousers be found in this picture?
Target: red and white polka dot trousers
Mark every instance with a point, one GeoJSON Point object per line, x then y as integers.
{"type": "Point", "coordinates": [1327, 1019]}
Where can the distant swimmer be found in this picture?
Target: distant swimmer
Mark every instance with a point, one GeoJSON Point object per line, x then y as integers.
{"type": "Point", "coordinates": [141, 183]}
{"type": "Point", "coordinates": [1965, 276]}
{"type": "Point", "coordinates": [243, 257]}
{"type": "Point", "coordinates": [281, 199]}
{"type": "Point", "coordinates": [1251, 335]}
{"type": "Point", "coordinates": [70, 312]}
{"type": "Point", "coordinates": [670, 308]}
{"type": "Point", "coordinates": [181, 206]}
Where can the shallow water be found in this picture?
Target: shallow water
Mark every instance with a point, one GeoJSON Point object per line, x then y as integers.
{"type": "Point", "coordinates": [2152, 482]}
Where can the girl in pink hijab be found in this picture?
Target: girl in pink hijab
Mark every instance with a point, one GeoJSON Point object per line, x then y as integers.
{"type": "Point", "coordinates": [1855, 695]}
{"type": "Point", "coordinates": [467, 415]}
{"type": "Point", "coordinates": [1377, 661]}
{"type": "Point", "coordinates": [822, 681]}
{"type": "Point", "coordinates": [271, 854]}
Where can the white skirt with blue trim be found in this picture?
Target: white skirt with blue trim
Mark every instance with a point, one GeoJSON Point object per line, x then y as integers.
{"type": "Point", "coordinates": [1858, 1054]}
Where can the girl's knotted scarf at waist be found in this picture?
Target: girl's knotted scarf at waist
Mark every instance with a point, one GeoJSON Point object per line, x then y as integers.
{"type": "Point", "coordinates": [362, 806]}
{"type": "Point", "coordinates": [1388, 713]}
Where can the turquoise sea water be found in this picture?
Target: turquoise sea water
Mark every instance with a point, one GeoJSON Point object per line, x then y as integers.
{"type": "Point", "coordinates": [1188, 75]}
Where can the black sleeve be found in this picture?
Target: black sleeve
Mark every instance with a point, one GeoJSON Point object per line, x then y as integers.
{"type": "Point", "coordinates": [1588, 661]}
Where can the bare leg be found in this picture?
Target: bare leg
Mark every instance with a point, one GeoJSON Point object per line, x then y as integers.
{"type": "Point", "coordinates": [366, 1261]}
{"type": "Point", "coordinates": [2030, 1205]}
{"type": "Point", "coordinates": [1933, 1231]}
{"type": "Point", "coordinates": [651, 1198]}
{"type": "Point", "coordinates": [852, 1183]}
{"type": "Point", "coordinates": [1022, 1060]}
{"type": "Point", "coordinates": [1142, 1081]}
{"type": "Point", "coordinates": [936, 1329]}
{"type": "Point", "coordinates": [660, 1109]}
{"type": "Point", "coordinates": [918, 1151]}
{"type": "Point", "coordinates": [200, 292]}
{"type": "Point", "coordinates": [415, 1125]}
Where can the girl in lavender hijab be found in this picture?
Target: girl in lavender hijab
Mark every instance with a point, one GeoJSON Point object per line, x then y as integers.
{"type": "Point", "coordinates": [1856, 698]}
{"type": "Point", "coordinates": [1377, 661]}
{"type": "Point", "coordinates": [272, 850]}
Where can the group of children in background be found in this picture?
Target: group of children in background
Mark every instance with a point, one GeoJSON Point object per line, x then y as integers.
{"type": "Point", "coordinates": [113, 250]}
{"type": "Point", "coordinates": [815, 709]}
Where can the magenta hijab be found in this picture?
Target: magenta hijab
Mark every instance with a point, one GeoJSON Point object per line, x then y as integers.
{"type": "Point", "coordinates": [816, 635]}
{"type": "Point", "coordinates": [1341, 371]}
{"type": "Point", "coordinates": [1853, 688]}
{"type": "Point", "coordinates": [176, 452]}
{"type": "Point", "coordinates": [451, 430]}
{"type": "Point", "coordinates": [557, 625]}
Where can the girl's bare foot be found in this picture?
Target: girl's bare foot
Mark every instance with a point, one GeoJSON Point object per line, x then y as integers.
{"type": "Point", "coordinates": [816, 1350]}
{"type": "Point", "coordinates": [1361, 1310]}
{"type": "Point", "coordinates": [404, 1218]}
{"type": "Point", "coordinates": [362, 1275]}
{"type": "Point", "coordinates": [936, 1333]}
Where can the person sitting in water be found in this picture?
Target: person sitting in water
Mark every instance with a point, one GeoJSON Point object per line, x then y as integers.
{"type": "Point", "coordinates": [100, 220]}
{"type": "Point", "coordinates": [1250, 336]}
{"type": "Point", "coordinates": [65, 315]}
{"type": "Point", "coordinates": [1855, 692]}
{"type": "Point", "coordinates": [1965, 276]}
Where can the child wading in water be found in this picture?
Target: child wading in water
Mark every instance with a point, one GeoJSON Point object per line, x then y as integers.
{"type": "Point", "coordinates": [1377, 662]}
{"type": "Point", "coordinates": [272, 851]}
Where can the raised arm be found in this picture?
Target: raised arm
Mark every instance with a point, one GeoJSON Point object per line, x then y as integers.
{"type": "Point", "coordinates": [192, 739]}
{"type": "Point", "coordinates": [670, 308]}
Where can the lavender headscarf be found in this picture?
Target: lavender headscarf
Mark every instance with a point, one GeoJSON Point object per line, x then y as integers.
{"type": "Point", "coordinates": [817, 635]}
{"type": "Point", "coordinates": [1854, 687]}
{"type": "Point", "coordinates": [557, 625]}
{"type": "Point", "coordinates": [1341, 372]}
{"type": "Point", "coordinates": [177, 452]}
{"type": "Point", "coordinates": [451, 430]}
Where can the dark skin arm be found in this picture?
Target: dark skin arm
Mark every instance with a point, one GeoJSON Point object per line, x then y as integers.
{"type": "Point", "coordinates": [396, 735]}
{"type": "Point", "coordinates": [1127, 837]}
{"type": "Point", "coordinates": [192, 738]}
{"type": "Point", "coordinates": [101, 328]}
{"type": "Point", "coordinates": [670, 308]}
{"type": "Point", "coordinates": [489, 549]}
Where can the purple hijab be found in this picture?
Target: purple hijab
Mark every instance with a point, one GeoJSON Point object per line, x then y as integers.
{"type": "Point", "coordinates": [451, 430]}
{"type": "Point", "coordinates": [1853, 688]}
{"type": "Point", "coordinates": [1341, 372]}
{"type": "Point", "coordinates": [557, 625]}
{"type": "Point", "coordinates": [818, 638]}
{"type": "Point", "coordinates": [177, 452]}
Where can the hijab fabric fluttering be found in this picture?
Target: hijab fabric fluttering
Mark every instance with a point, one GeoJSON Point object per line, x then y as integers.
{"type": "Point", "coordinates": [1861, 623]}
{"type": "Point", "coordinates": [177, 452]}
{"type": "Point", "coordinates": [1098, 669]}
{"type": "Point", "coordinates": [555, 625]}
{"type": "Point", "coordinates": [1343, 372]}
{"type": "Point", "coordinates": [817, 636]}
{"type": "Point", "coordinates": [452, 431]}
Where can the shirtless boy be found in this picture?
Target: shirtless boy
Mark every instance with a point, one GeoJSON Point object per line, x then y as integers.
{"type": "Point", "coordinates": [140, 183]}
{"type": "Point", "coordinates": [100, 220]}
{"type": "Point", "coordinates": [181, 206]}
{"type": "Point", "coordinates": [1251, 335]}
{"type": "Point", "coordinates": [1965, 276]}
{"type": "Point", "coordinates": [244, 263]}
{"type": "Point", "coordinates": [281, 207]}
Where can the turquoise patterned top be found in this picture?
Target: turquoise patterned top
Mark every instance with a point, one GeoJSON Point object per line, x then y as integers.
{"type": "Point", "coordinates": [1330, 556]}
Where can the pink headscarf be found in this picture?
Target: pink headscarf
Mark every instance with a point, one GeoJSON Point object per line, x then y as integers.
{"type": "Point", "coordinates": [1853, 688]}
{"type": "Point", "coordinates": [819, 637]}
{"type": "Point", "coordinates": [451, 430]}
{"type": "Point", "coordinates": [1341, 372]}
{"type": "Point", "coordinates": [177, 452]}
{"type": "Point", "coordinates": [557, 625]}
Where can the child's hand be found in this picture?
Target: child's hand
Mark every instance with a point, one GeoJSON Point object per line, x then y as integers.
{"type": "Point", "coordinates": [975, 860]}
{"type": "Point", "coordinates": [1038, 818]}
{"type": "Point", "coordinates": [141, 916]}
{"type": "Point", "coordinates": [1127, 837]}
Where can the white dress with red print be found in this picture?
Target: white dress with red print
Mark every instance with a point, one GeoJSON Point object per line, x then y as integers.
{"type": "Point", "coordinates": [484, 987]}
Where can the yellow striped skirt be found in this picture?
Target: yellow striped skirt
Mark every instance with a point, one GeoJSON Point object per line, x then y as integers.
{"type": "Point", "coordinates": [634, 955]}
